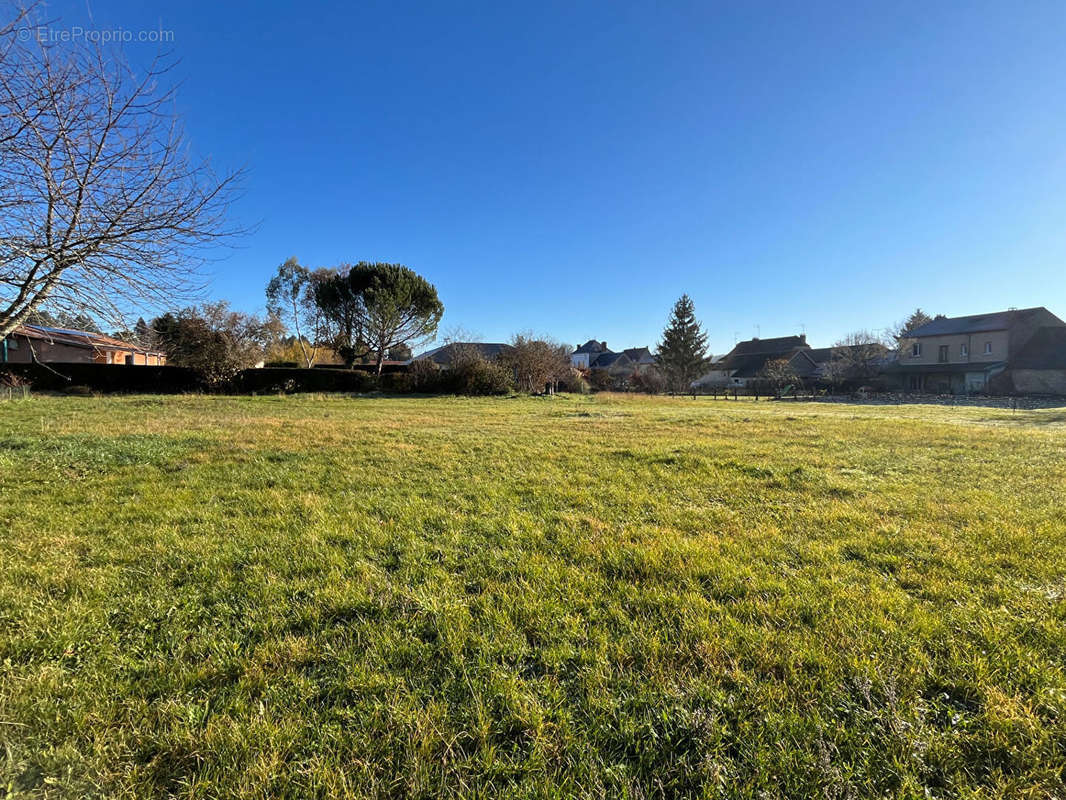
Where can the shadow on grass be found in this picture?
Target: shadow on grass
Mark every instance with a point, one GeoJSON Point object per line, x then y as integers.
{"type": "Point", "coordinates": [1027, 418]}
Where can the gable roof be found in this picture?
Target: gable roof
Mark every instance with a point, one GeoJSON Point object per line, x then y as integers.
{"type": "Point", "coordinates": [608, 359]}
{"type": "Point", "coordinates": [747, 359]}
{"type": "Point", "coordinates": [445, 353]}
{"type": "Point", "coordinates": [781, 344]}
{"type": "Point", "coordinates": [73, 338]}
{"type": "Point", "coordinates": [1045, 350]}
{"type": "Point", "coordinates": [981, 323]}
{"type": "Point", "coordinates": [640, 355]}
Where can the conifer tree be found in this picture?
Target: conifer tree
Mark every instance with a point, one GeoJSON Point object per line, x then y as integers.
{"type": "Point", "coordinates": [683, 349]}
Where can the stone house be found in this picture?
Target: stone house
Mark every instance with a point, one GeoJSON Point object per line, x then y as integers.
{"type": "Point", "coordinates": [976, 353]}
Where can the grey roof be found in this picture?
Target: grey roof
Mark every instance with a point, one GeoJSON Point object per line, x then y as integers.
{"type": "Point", "coordinates": [640, 355]}
{"type": "Point", "coordinates": [781, 344]}
{"type": "Point", "coordinates": [592, 346]}
{"type": "Point", "coordinates": [1045, 350]}
{"type": "Point", "coordinates": [443, 355]}
{"type": "Point", "coordinates": [979, 323]}
{"type": "Point", "coordinates": [820, 355]}
{"type": "Point", "coordinates": [747, 359]}
{"type": "Point", "coordinates": [607, 359]}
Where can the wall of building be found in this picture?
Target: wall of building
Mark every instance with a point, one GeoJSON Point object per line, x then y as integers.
{"type": "Point", "coordinates": [975, 341]}
{"type": "Point", "coordinates": [1039, 381]}
{"type": "Point", "coordinates": [22, 353]}
{"type": "Point", "coordinates": [21, 350]}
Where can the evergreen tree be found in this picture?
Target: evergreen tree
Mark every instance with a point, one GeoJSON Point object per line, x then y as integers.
{"type": "Point", "coordinates": [683, 349]}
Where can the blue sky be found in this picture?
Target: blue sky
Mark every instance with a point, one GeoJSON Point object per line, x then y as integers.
{"type": "Point", "coordinates": [573, 167]}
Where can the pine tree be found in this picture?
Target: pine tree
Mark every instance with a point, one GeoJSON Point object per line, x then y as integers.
{"type": "Point", "coordinates": [683, 349]}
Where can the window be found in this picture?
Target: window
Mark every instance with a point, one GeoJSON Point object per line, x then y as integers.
{"type": "Point", "coordinates": [916, 350]}
{"type": "Point", "coordinates": [12, 343]}
{"type": "Point", "coordinates": [942, 355]}
{"type": "Point", "coordinates": [988, 347]}
{"type": "Point", "coordinates": [964, 349]}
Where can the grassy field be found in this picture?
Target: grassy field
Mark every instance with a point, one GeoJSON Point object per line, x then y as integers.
{"type": "Point", "coordinates": [594, 597]}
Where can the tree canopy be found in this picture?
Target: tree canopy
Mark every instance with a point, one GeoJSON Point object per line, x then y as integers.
{"type": "Point", "coordinates": [683, 349]}
{"type": "Point", "coordinates": [399, 306]}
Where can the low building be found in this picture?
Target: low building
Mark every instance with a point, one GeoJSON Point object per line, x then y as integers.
{"type": "Point", "coordinates": [976, 353]}
{"type": "Point", "coordinates": [744, 364]}
{"type": "Point", "coordinates": [39, 344]}
{"type": "Point", "coordinates": [444, 355]}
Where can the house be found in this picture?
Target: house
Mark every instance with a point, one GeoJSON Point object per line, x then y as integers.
{"type": "Point", "coordinates": [619, 365]}
{"type": "Point", "coordinates": [745, 362]}
{"type": "Point", "coordinates": [443, 356]}
{"type": "Point", "coordinates": [977, 353]}
{"type": "Point", "coordinates": [40, 344]}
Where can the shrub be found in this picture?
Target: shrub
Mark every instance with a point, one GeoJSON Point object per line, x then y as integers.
{"type": "Point", "coordinates": [476, 376]}
{"type": "Point", "coordinates": [651, 381]}
{"type": "Point", "coordinates": [574, 382]}
{"type": "Point", "coordinates": [424, 376]}
{"type": "Point", "coordinates": [600, 380]}
{"type": "Point", "coordinates": [14, 386]}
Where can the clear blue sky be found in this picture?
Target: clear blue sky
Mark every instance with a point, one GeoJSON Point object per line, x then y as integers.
{"type": "Point", "coordinates": [573, 167]}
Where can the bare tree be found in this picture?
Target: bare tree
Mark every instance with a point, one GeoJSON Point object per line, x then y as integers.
{"type": "Point", "coordinates": [859, 356]}
{"type": "Point", "coordinates": [101, 207]}
{"type": "Point", "coordinates": [778, 375]}
{"type": "Point", "coordinates": [538, 364]}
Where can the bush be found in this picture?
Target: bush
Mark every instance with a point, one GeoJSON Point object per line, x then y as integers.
{"type": "Point", "coordinates": [14, 386]}
{"type": "Point", "coordinates": [600, 380]}
{"type": "Point", "coordinates": [476, 377]}
{"type": "Point", "coordinates": [107, 377]}
{"type": "Point", "coordinates": [574, 382]}
{"type": "Point", "coordinates": [424, 376]}
{"type": "Point", "coordinates": [651, 381]}
{"type": "Point", "coordinates": [397, 383]}
{"type": "Point", "coordinates": [270, 380]}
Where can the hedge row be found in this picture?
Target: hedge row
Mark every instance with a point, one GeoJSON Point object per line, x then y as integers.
{"type": "Point", "coordinates": [106, 377]}
{"type": "Point", "coordinates": [174, 380]}
{"type": "Point", "coordinates": [480, 378]}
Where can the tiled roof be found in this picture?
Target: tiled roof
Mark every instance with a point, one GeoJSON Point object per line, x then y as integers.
{"type": "Point", "coordinates": [977, 323]}
{"type": "Point", "coordinates": [444, 354]}
{"type": "Point", "coordinates": [781, 344]}
{"type": "Point", "coordinates": [641, 355]}
{"type": "Point", "coordinates": [607, 359]}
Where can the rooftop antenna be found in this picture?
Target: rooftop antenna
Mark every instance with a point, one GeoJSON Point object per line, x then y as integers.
{"type": "Point", "coordinates": [803, 329]}
{"type": "Point", "coordinates": [736, 337]}
{"type": "Point", "coordinates": [758, 331]}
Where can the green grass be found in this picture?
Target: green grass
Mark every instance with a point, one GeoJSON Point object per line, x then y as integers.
{"type": "Point", "coordinates": [595, 597]}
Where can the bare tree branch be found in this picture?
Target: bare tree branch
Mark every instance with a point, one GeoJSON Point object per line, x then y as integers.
{"type": "Point", "coordinates": [102, 209]}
